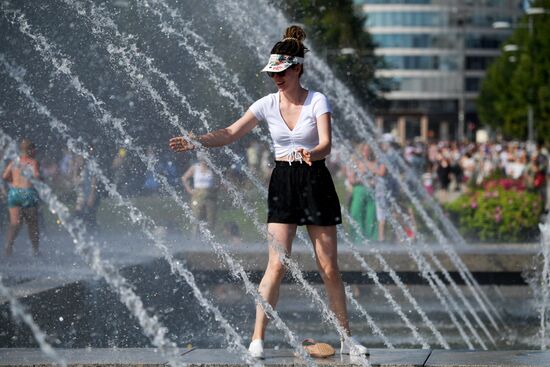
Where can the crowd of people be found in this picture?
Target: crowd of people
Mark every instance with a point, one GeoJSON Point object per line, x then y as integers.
{"type": "Point", "coordinates": [451, 166]}
{"type": "Point", "coordinates": [74, 178]}
{"type": "Point", "coordinates": [445, 169]}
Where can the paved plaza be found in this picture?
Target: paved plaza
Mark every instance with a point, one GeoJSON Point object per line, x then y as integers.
{"type": "Point", "coordinates": [284, 357]}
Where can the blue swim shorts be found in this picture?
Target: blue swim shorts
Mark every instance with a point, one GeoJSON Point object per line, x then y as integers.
{"type": "Point", "coordinates": [24, 198]}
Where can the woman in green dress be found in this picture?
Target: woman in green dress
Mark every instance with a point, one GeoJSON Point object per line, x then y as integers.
{"type": "Point", "coordinates": [363, 203]}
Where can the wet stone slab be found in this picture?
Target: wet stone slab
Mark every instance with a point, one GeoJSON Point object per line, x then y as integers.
{"type": "Point", "coordinates": [286, 357]}
{"type": "Point", "coordinates": [85, 357]}
{"type": "Point", "coordinates": [104, 357]}
{"type": "Point", "coordinates": [198, 357]}
{"type": "Point", "coordinates": [527, 358]}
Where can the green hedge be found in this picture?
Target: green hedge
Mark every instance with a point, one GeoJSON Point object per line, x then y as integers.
{"type": "Point", "coordinates": [497, 215]}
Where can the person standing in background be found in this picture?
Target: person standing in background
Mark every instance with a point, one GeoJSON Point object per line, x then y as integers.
{"type": "Point", "coordinates": [23, 198]}
{"type": "Point", "coordinates": [203, 192]}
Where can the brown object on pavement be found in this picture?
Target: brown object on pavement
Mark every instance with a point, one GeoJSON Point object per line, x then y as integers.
{"type": "Point", "coordinates": [318, 350]}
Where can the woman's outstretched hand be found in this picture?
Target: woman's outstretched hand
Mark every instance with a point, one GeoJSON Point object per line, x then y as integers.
{"type": "Point", "coordinates": [179, 144]}
{"type": "Point", "coordinates": [306, 156]}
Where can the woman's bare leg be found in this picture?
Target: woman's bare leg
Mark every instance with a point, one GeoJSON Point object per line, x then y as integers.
{"type": "Point", "coordinates": [326, 251]}
{"type": "Point", "coordinates": [280, 236]}
{"type": "Point", "coordinates": [13, 229]}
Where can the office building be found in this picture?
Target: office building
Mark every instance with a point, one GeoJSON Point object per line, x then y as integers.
{"type": "Point", "coordinates": [436, 52]}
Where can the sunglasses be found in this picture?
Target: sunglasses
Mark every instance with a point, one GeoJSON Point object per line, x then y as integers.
{"type": "Point", "coordinates": [272, 74]}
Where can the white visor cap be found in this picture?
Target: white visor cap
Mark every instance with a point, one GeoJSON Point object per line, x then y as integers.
{"type": "Point", "coordinates": [278, 63]}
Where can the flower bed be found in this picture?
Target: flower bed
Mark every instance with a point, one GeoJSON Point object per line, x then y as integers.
{"type": "Point", "coordinates": [501, 212]}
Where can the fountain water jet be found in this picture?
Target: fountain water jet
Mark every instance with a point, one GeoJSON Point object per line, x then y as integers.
{"type": "Point", "coordinates": [101, 21]}
{"type": "Point", "coordinates": [355, 113]}
{"type": "Point", "coordinates": [135, 74]}
{"type": "Point", "coordinates": [427, 249]}
{"type": "Point", "coordinates": [63, 67]}
{"type": "Point", "coordinates": [90, 252]}
{"type": "Point", "coordinates": [417, 257]}
{"type": "Point", "coordinates": [544, 283]}
{"type": "Point", "coordinates": [238, 271]}
{"type": "Point", "coordinates": [147, 224]}
{"type": "Point", "coordinates": [18, 312]}
{"type": "Point", "coordinates": [336, 90]}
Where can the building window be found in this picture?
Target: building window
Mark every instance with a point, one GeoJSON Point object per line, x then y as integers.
{"type": "Point", "coordinates": [433, 19]}
{"type": "Point", "coordinates": [407, 19]}
{"type": "Point", "coordinates": [444, 63]}
{"type": "Point", "coordinates": [444, 84]}
{"type": "Point", "coordinates": [432, 105]}
{"type": "Point", "coordinates": [487, 20]}
{"type": "Point", "coordinates": [517, 4]}
{"type": "Point", "coordinates": [478, 62]}
{"type": "Point", "coordinates": [472, 84]}
{"type": "Point", "coordinates": [362, 2]}
{"type": "Point", "coordinates": [421, 40]}
{"type": "Point", "coordinates": [484, 41]}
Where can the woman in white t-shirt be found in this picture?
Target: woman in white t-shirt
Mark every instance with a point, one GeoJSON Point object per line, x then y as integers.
{"type": "Point", "coordinates": [301, 191]}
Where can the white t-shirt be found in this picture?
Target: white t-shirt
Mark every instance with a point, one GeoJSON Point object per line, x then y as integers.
{"type": "Point", "coordinates": [203, 177]}
{"type": "Point", "coordinates": [515, 169]}
{"type": "Point", "coordinates": [304, 135]}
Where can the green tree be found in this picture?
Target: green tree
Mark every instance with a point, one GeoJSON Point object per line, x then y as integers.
{"type": "Point", "coordinates": [518, 79]}
{"type": "Point", "coordinates": [338, 33]}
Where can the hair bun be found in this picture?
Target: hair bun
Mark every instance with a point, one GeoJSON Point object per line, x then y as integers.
{"type": "Point", "coordinates": [291, 44]}
{"type": "Point", "coordinates": [295, 32]}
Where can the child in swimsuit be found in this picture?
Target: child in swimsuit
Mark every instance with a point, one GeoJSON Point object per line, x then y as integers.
{"type": "Point", "coordinates": [22, 197]}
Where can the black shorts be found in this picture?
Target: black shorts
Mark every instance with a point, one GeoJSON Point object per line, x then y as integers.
{"type": "Point", "coordinates": [302, 194]}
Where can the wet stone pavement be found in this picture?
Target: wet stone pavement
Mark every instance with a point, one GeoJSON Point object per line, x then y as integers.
{"type": "Point", "coordinates": [219, 357]}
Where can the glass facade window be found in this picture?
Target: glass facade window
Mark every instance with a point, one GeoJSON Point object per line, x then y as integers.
{"type": "Point", "coordinates": [362, 2]}
{"type": "Point", "coordinates": [448, 41]}
{"type": "Point", "coordinates": [433, 105]}
{"type": "Point", "coordinates": [416, 40]}
{"type": "Point", "coordinates": [407, 19]}
{"type": "Point", "coordinates": [486, 20]}
{"type": "Point", "coordinates": [444, 63]}
{"type": "Point", "coordinates": [478, 62]}
{"type": "Point", "coordinates": [484, 3]}
{"type": "Point", "coordinates": [433, 19]}
{"type": "Point", "coordinates": [472, 84]}
{"type": "Point", "coordinates": [484, 41]}
{"type": "Point", "coordinates": [412, 127]}
{"type": "Point", "coordinates": [491, 3]}
{"type": "Point", "coordinates": [444, 84]}
{"type": "Point", "coordinates": [470, 106]}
